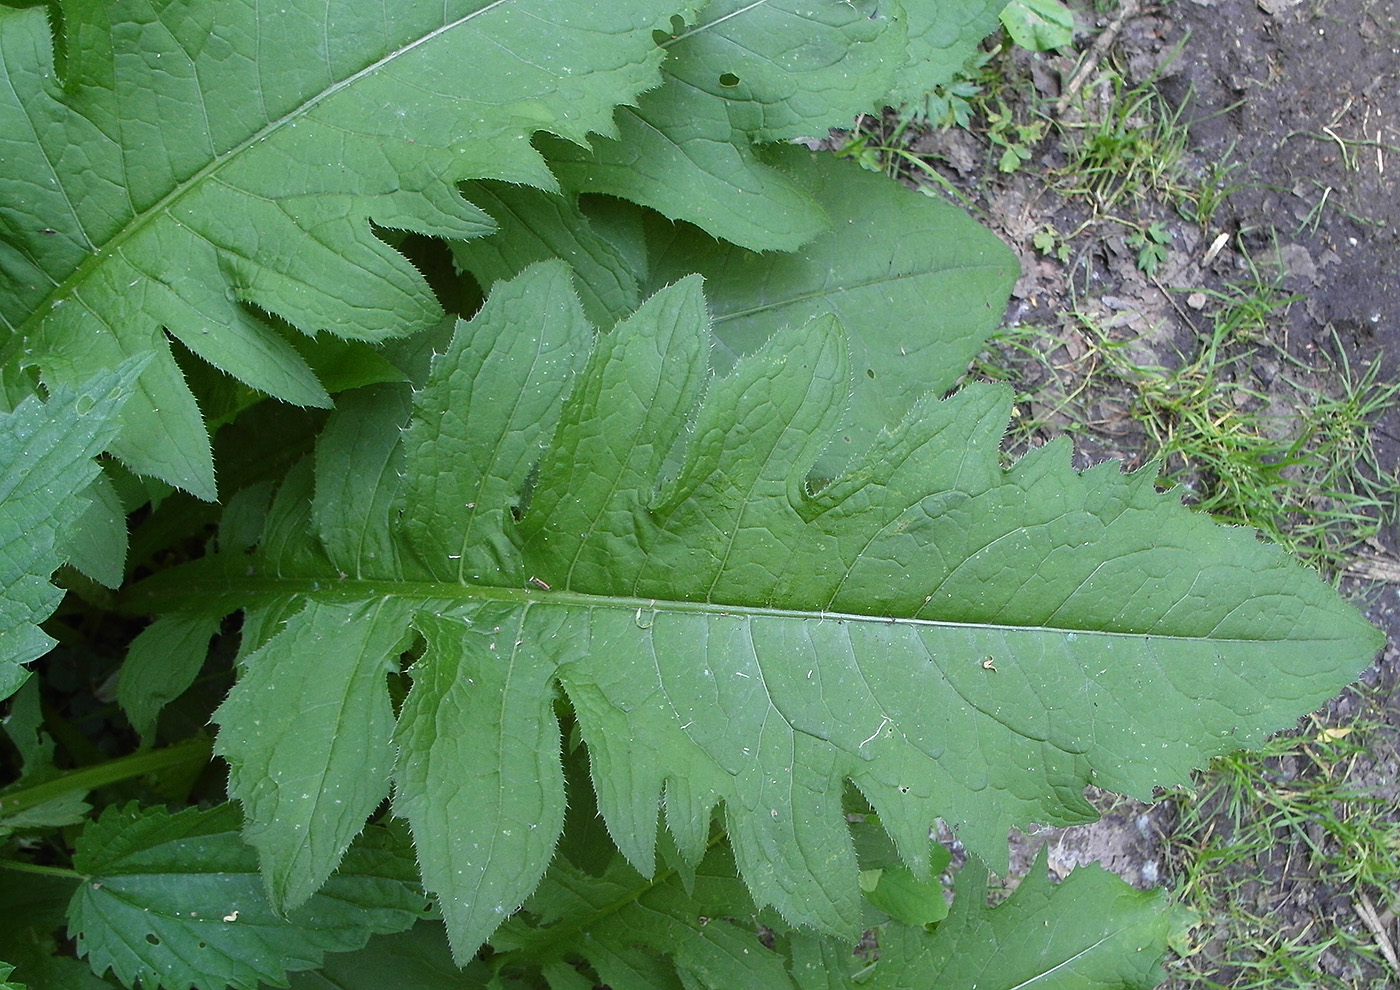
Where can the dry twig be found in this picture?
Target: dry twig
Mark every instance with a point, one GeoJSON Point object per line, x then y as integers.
{"type": "Point", "coordinates": [1367, 913]}
{"type": "Point", "coordinates": [1097, 51]}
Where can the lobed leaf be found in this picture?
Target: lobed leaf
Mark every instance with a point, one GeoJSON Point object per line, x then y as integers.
{"type": "Point", "coordinates": [174, 900]}
{"type": "Point", "coordinates": [744, 73]}
{"type": "Point", "coordinates": [1090, 931]}
{"type": "Point", "coordinates": [916, 283]}
{"type": "Point", "coordinates": [197, 166]}
{"type": "Point", "coordinates": [46, 468]}
{"type": "Point", "coordinates": [748, 73]}
{"type": "Point", "coordinates": [639, 933]}
{"type": "Point", "coordinates": [308, 782]}
{"type": "Point", "coordinates": [955, 638]}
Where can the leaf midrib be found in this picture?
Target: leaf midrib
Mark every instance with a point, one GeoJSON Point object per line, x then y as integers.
{"type": "Point", "coordinates": [698, 28]}
{"type": "Point", "coordinates": [68, 288]}
{"type": "Point", "coordinates": [846, 288]}
{"type": "Point", "coordinates": [248, 591]}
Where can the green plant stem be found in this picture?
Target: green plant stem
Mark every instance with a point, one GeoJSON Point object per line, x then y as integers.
{"type": "Point", "coordinates": [192, 752]}
{"type": "Point", "coordinates": [20, 866]}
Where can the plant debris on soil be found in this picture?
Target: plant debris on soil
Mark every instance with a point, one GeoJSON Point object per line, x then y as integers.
{"type": "Point", "coordinates": [1203, 198]}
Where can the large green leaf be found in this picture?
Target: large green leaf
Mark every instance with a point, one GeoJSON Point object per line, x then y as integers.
{"type": "Point", "coordinates": [744, 73]}
{"type": "Point", "coordinates": [46, 467]}
{"type": "Point", "coordinates": [955, 638]}
{"type": "Point", "coordinates": [942, 37]}
{"type": "Point", "coordinates": [197, 165]}
{"type": "Point", "coordinates": [917, 284]}
{"type": "Point", "coordinates": [747, 73]}
{"type": "Point", "coordinates": [175, 900]}
{"type": "Point", "coordinates": [1092, 930]}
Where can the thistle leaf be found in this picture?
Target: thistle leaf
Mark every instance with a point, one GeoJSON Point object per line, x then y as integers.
{"type": "Point", "coordinates": [956, 638]}
{"type": "Point", "coordinates": [197, 166]}
{"type": "Point", "coordinates": [46, 468]}
{"type": "Point", "coordinates": [916, 283]}
{"type": "Point", "coordinates": [1090, 930]}
{"type": "Point", "coordinates": [741, 74]}
{"type": "Point", "coordinates": [309, 782]}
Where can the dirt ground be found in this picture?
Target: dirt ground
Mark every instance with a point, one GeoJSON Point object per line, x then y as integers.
{"type": "Point", "coordinates": [1293, 108]}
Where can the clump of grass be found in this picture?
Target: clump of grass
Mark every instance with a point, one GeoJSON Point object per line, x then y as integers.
{"type": "Point", "coordinates": [1129, 144]}
{"type": "Point", "coordinates": [1203, 423]}
{"type": "Point", "coordinates": [1283, 857]}
{"type": "Point", "coordinates": [1358, 495]}
{"type": "Point", "coordinates": [1307, 477]}
{"type": "Point", "coordinates": [1212, 187]}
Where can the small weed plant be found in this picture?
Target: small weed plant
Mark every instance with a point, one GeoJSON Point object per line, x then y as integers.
{"type": "Point", "coordinates": [483, 507]}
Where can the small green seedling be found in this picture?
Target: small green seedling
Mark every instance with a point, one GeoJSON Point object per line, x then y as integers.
{"type": "Point", "coordinates": [1049, 242]}
{"type": "Point", "coordinates": [1016, 140]}
{"type": "Point", "coordinates": [1151, 246]}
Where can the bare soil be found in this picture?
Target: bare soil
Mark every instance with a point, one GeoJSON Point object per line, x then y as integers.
{"type": "Point", "coordinates": [1293, 108]}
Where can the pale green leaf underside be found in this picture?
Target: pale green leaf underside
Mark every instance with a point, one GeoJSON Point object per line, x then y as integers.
{"type": "Point", "coordinates": [204, 162]}
{"type": "Point", "coordinates": [175, 901]}
{"type": "Point", "coordinates": [917, 284]}
{"type": "Point", "coordinates": [1090, 931]}
{"type": "Point", "coordinates": [957, 639]}
{"type": "Point", "coordinates": [745, 73]}
{"type": "Point", "coordinates": [46, 467]}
